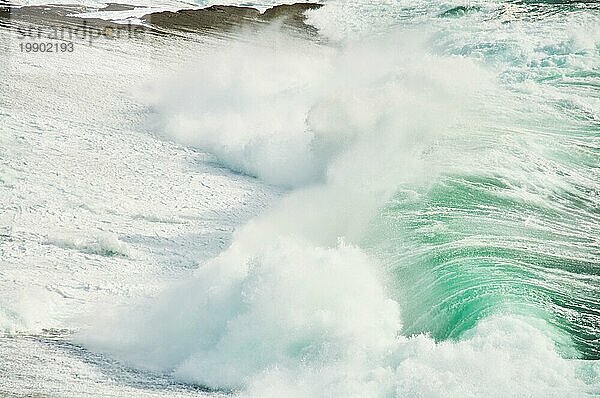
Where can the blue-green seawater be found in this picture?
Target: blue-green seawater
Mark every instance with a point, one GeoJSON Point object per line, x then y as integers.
{"type": "Point", "coordinates": [517, 231]}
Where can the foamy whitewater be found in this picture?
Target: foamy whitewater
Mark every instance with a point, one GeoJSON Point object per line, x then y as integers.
{"type": "Point", "coordinates": [406, 207]}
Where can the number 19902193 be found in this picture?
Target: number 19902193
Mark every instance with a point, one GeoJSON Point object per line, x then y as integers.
{"type": "Point", "coordinates": [49, 47]}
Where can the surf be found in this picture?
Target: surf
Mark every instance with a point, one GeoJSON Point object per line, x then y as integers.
{"type": "Point", "coordinates": [427, 238]}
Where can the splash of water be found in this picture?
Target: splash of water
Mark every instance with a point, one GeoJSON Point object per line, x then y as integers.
{"type": "Point", "coordinates": [431, 244]}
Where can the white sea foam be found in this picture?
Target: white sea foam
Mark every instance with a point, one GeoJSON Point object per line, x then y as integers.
{"type": "Point", "coordinates": [500, 359]}
{"type": "Point", "coordinates": [27, 309]}
{"type": "Point", "coordinates": [101, 243]}
{"type": "Point", "coordinates": [289, 309]}
{"type": "Point", "coordinates": [295, 113]}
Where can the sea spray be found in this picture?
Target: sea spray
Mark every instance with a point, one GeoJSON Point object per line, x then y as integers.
{"type": "Point", "coordinates": [289, 309]}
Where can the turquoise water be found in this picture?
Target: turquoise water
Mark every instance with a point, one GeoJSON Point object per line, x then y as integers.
{"type": "Point", "coordinates": [518, 234]}
{"type": "Point", "coordinates": [465, 249]}
{"type": "Point", "coordinates": [439, 235]}
{"type": "Point", "coordinates": [406, 206]}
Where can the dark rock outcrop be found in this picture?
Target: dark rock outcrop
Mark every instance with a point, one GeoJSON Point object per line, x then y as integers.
{"type": "Point", "coordinates": [224, 18]}
{"type": "Point", "coordinates": [205, 19]}
{"type": "Point", "coordinates": [214, 20]}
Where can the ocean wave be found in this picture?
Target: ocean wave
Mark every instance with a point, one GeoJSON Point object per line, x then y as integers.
{"type": "Point", "coordinates": [425, 243]}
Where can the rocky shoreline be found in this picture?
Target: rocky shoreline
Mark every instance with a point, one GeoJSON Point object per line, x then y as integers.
{"type": "Point", "coordinates": [214, 19]}
{"type": "Point", "coordinates": [229, 17]}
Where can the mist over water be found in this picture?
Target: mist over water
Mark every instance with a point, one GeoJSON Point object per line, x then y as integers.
{"type": "Point", "coordinates": [439, 231]}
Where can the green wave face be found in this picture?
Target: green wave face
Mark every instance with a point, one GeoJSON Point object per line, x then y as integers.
{"type": "Point", "coordinates": [518, 235]}
{"type": "Point", "coordinates": [516, 228]}
{"type": "Point", "coordinates": [468, 252]}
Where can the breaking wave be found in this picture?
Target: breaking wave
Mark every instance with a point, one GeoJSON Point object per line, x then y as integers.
{"type": "Point", "coordinates": [439, 235]}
